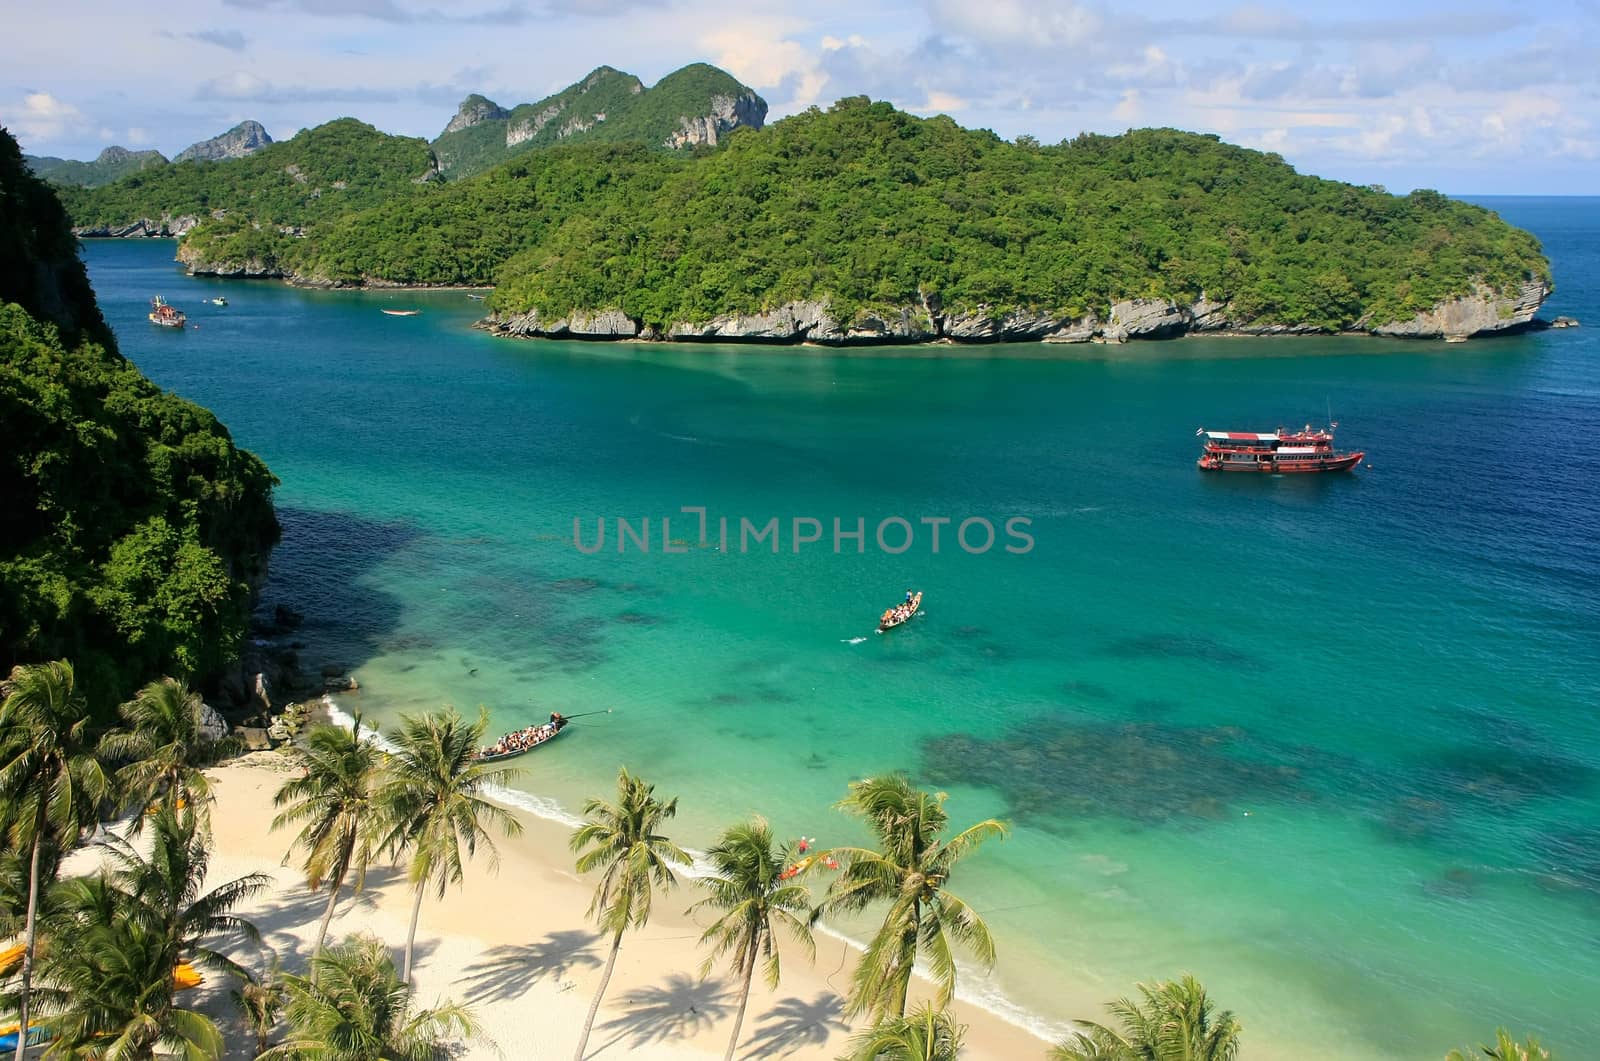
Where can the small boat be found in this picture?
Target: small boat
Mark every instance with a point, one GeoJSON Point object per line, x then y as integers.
{"type": "Point", "coordinates": [522, 741]}
{"type": "Point", "coordinates": [402, 312]}
{"type": "Point", "coordinates": [1275, 453]}
{"type": "Point", "coordinates": [476, 298]}
{"type": "Point", "coordinates": [900, 613]}
{"type": "Point", "coordinates": [219, 301]}
{"type": "Point", "coordinates": [164, 315]}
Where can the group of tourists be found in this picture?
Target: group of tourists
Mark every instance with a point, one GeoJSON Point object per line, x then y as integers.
{"type": "Point", "coordinates": [523, 739]}
{"type": "Point", "coordinates": [900, 612]}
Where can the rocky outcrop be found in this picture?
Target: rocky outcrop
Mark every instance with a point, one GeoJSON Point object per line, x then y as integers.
{"type": "Point", "coordinates": [166, 226]}
{"type": "Point", "coordinates": [529, 127]}
{"type": "Point", "coordinates": [243, 269]}
{"type": "Point", "coordinates": [812, 321]}
{"type": "Point", "coordinates": [475, 110]}
{"type": "Point", "coordinates": [243, 139]}
{"type": "Point", "coordinates": [1484, 312]}
{"type": "Point", "coordinates": [726, 113]}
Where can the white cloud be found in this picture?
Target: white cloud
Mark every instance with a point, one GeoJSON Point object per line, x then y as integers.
{"type": "Point", "coordinates": [43, 117]}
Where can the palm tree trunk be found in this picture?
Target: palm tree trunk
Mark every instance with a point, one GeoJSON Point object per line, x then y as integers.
{"type": "Point", "coordinates": [416, 909]}
{"type": "Point", "coordinates": [594, 1007]}
{"type": "Point", "coordinates": [904, 987]}
{"type": "Point", "coordinates": [327, 916]}
{"type": "Point", "coordinates": [744, 997]}
{"type": "Point", "coordinates": [30, 940]}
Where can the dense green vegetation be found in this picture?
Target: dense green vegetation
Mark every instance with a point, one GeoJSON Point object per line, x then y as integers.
{"type": "Point", "coordinates": [862, 207]}
{"type": "Point", "coordinates": [113, 164]}
{"type": "Point", "coordinates": [632, 114]}
{"type": "Point", "coordinates": [132, 524]}
{"type": "Point", "coordinates": [264, 198]}
{"type": "Point", "coordinates": [872, 209]}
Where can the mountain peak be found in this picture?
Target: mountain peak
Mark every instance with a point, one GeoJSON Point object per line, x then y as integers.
{"type": "Point", "coordinates": [475, 110]}
{"type": "Point", "coordinates": [243, 139]}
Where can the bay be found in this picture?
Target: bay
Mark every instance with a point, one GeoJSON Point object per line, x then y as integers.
{"type": "Point", "coordinates": [1331, 746]}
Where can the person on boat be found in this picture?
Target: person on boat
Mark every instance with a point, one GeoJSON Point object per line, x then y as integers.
{"type": "Point", "coordinates": [908, 596]}
{"type": "Point", "coordinates": [556, 719]}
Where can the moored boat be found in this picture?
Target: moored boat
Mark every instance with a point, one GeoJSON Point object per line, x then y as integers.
{"type": "Point", "coordinates": [900, 613]}
{"type": "Point", "coordinates": [402, 312]}
{"type": "Point", "coordinates": [1276, 453]}
{"type": "Point", "coordinates": [522, 741]}
{"type": "Point", "coordinates": [165, 315]}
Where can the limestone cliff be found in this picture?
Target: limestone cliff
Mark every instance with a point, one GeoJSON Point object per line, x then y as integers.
{"type": "Point", "coordinates": [1484, 312]}
{"type": "Point", "coordinates": [243, 139]}
{"type": "Point", "coordinates": [725, 114]}
{"type": "Point", "coordinates": [475, 110]}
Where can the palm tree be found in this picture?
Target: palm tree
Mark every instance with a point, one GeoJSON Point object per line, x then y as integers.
{"type": "Point", "coordinates": [51, 783]}
{"type": "Point", "coordinates": [163, 748]}
{"type": "Point", "coordinates": [928, 1034]}
{"type": "Point", "coordinates": [911, 873]}
{"type": "Point", "coordinates": [260, 1002]}
{"type": "Point", "coordinates": [333, 798]}
{"type": "Point", "coordinates": [623, 840]}
{"type": "Point", "coordinates": [751, 884]}
{"type": "Point", "coordinates": [355, 1007]}
{"type": "Point", "coordinates": [1174, 1022]}
{"type": "Point", "coordinates": [1505, 1048]}
{"type": "Point", "coordinates": [431, 803]}
{"type": "Point", "coordinates": [117, 938]}
{"type": "Point", "coordinates": [108, 992]}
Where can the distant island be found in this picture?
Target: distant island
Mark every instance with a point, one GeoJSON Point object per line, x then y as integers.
{"type": "Point", "coordinates": [614, 211]}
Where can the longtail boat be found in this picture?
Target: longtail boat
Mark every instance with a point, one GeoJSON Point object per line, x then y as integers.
{"type": "Point", "coordinates": [900, 613]}
{"type": "Point", "coordinates": [522, 741]}
{"type": "Point", "coordinates": [402, 312]}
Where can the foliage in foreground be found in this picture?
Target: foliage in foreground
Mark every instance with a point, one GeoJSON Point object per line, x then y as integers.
{"type": "Point", "coordinates": [1504, 1048]}
{"type": "Point", "coordinates": [355, 1007]}
{"type": "Point", "coordinates": [1174, 1020]}
{"type": "Point", "coordinates": [925, 1034]}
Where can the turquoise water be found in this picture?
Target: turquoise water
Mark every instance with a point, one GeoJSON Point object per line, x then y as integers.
{"type": "Point", "coordinates": [1331, 745]}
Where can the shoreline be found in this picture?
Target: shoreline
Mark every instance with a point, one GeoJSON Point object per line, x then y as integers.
{"type": "Point", "coordinates": [531, 978]}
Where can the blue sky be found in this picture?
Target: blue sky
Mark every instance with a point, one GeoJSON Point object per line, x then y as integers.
{"type": "Point", "coordinates": [1477, 96]}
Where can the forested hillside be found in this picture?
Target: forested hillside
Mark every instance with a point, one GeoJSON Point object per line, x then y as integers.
{"type": "Point", "coordinates": [132, 525]}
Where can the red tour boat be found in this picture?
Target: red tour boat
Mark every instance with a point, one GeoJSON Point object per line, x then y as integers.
{"type": "Point", "coordinates": [1281, 452]}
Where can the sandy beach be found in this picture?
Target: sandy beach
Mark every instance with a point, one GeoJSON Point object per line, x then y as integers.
{"type": "Point", "coordinates": [516, 946]}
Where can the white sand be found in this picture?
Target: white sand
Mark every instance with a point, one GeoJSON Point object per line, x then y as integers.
{"type": "Point", "coordinates": [515, 946]}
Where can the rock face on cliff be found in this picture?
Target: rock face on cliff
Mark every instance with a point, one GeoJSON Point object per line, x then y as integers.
{"type": "Point", "coordinates": [243, 139]}
{"type": "Point", "coordinates": [808, 321]}
{"type": "Point", "coordinates": [475, 110]}
{"type": "Point", "coordinates": [1481, 313]}
{"type": "Point", "coordinates": [166, 226]}
{"type": "Point", "coordinates": [726, 113]}
{"type": "Point", "coordinates": [697, 105]}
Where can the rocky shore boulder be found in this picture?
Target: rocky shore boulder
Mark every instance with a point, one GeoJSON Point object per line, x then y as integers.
{"type": "Point", "coordinates": [1145, 318]}
{"type": "Point", "coordinates": [792, 322]}
{"type": "Point", "coordinates": [1484, 312]}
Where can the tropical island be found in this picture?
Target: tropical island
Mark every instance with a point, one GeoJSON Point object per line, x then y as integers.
{"type": "Point", "coordinates": [611, 211]}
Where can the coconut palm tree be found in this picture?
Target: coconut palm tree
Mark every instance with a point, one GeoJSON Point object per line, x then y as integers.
{"type": "Point", "coordinates": [117, 938]}
{"type": "Point", "coordinates": [355, 1007]}
{"type": "Point", "coordinates": [260, 1002]}
{"type": "Point", "coordinates": [1505, 1048]}
{"type": "Point", "coordinates": [911, 872]}
{"type": "Point", "coordinates": [755, 886]}
{"type": "Point", "coordinates": [927, 1034]}
{"type": "Point", "coordinates": [431, 804]}
{"type": "Point", "coordinates": [624, 841]}
{"type": "Point", "coordinates": [333, 799]}
{"type": "Point", "coordinates": [1175, 1021]}
{"type": "Point", "coordinates": [107, 991]}
{"type": "Point", "coordinates": [52, 785]}
{"type": "Point", "coordinates": [163, 748]}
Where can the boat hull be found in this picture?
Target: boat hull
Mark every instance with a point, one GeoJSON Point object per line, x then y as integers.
{"type": "Point", "coordinates": [891, 623]}
{"type": "Point", "coordinates": [503, 756]}
{"type": "Point", "coordinates": [1341, 462]}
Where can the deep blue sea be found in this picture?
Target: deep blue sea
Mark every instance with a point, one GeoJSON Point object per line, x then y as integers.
{"type": "Point", "coordinates": [1331, 745]}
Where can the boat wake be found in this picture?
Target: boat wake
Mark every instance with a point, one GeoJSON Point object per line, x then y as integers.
{"type": "Point", "coordinates": [851, 640]}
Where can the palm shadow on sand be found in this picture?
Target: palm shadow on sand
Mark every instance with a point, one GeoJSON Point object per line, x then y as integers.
{"type": "Point", "coordinates": [795, 1024]}
{"type": "Point", "coordinates": [509, 970]}
{"type": "Point", "coordinates": [682, 1006]}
